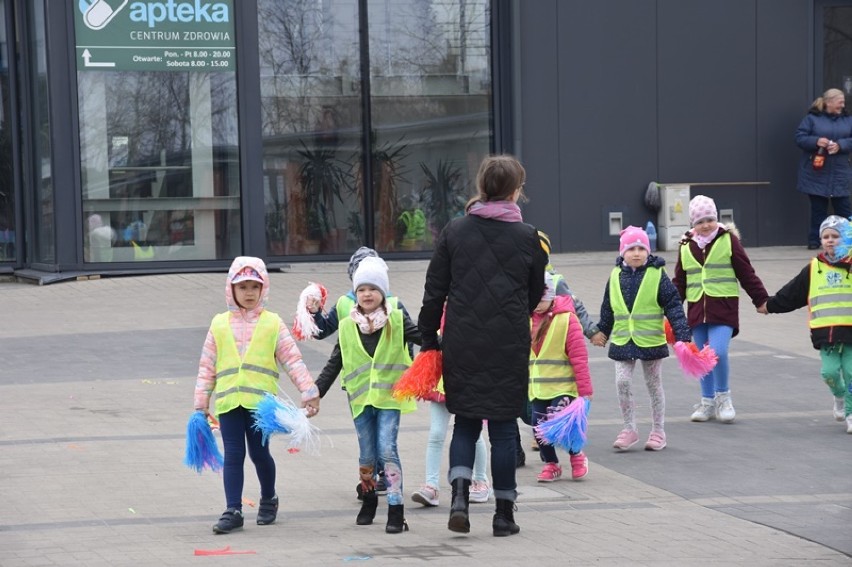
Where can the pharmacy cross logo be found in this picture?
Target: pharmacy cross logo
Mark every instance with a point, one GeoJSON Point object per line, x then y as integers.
{"type": "Point", "coordinates": [98, 13]}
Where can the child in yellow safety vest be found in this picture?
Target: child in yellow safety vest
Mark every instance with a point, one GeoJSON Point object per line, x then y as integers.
{"type": "Point", "coordinates": [240, 363]}
{"type": "Point", "coordinates": [638, 296]}
{"type": "Point", "coordinates": [372, 353]}
{"type": "Point", "coordinates": [711, 265]}
{"type": "Point", "coordinates": [825, 286]}
{"type": "Point", "coordinates": [559, 372]}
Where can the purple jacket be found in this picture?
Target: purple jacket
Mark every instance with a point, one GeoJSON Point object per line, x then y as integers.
{"type": "Point", "coordinates": [720, 310]}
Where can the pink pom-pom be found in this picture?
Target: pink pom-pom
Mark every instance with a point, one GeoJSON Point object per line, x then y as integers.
{"type": "Point", "coordinates": [694, 363]}
{"type": "Point", "coordinates": [304, 326]}
{"type": "Point", "coordinates": [422, 376]}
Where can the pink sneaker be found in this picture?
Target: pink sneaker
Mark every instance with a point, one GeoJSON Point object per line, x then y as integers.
{"type": "Point", "coordinates": [480, 492]}
{"type": "Point", "coordinates": [579, 466]}
{"type": "Point", "coordinates": [626, 439]}
{"type": "Point", "coordinates": [656, 441]}
{"type": "Point", "coordinates": [427, 495]}
{"type": "Point", "coordinates": [550, 472]}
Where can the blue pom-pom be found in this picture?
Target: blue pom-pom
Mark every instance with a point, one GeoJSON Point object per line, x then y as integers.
{"type": "Point", "coordinates": [565, 427]}
{"type": "Point", "coordinates": [201, 448]}
{"type": "Point", "coordinates": [273, 416]}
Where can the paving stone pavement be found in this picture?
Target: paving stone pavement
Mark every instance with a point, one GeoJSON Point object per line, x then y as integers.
{"type": "Point", "coordinates": [96, 385]}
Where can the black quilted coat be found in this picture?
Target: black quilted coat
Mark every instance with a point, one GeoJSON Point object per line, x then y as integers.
{"type": "Point", "coordinates": [491, 274]}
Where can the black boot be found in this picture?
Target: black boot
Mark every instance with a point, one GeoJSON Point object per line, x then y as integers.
{"type": "Point", "coordinates": [503, 523]}
{"type": "Point", "coordinates": [396, 519]}
{"type": "Point", "coordinates": [267, 511]}
{"type": "Point", "coordinates": [368, 508]}
{"type": "Point", "coordinates": [459, 518]}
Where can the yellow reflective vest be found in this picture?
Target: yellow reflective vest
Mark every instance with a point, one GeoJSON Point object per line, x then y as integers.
{"type": "Point", "coordinates": [829, 296]}
{"type": "Point", "coordinates": [644, 324]}
{"type": "Point", "coordinates": [243, 382]}
{"type": "Point", "coordinates": [368, 381]}
{"type": "Point", "coordinates": [716, 277]}
{"type": "Point", "coordinates": [551, 373]}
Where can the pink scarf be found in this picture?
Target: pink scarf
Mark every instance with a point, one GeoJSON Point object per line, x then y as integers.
{"type": "Point", "coordinates": [371, 322]}
{"type": "Point", "coordinates": [506, 211]}
{"type": "Point", "coordinates": [703, 241]}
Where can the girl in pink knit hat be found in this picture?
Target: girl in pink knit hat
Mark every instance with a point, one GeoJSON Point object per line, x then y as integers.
{"type": "Point", "coordinates": [711, 266]}
{"type": "Point", "coordinates": [638, 296]}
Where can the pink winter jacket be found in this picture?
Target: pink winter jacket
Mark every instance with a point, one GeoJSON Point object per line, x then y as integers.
{"type": "Point", "coordinates": [575, 344]}
{"type": "Point", "coordinates": [242, 324]}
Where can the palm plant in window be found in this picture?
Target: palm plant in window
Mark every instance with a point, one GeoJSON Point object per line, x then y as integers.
{"type": "Point", "coordinates": [322, 176]}
{"type": "Point", "coordinates": [444, 194]}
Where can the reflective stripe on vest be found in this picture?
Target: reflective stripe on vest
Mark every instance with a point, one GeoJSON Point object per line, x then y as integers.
{"type": "Point", "coordinates": [368, 381]}
{"type": "Point", "coordinates": [551, 373]}
{"type": "Point", "coordinates": [716, 277]}
{"type": "Point", "coordinates": [829, 296]}
{"type": "Point", "coordinates": [644, 325]}
{"type": "Point", "coordinates": [345, 304]}
{"type": "Point", "coordinates": [244, 382]}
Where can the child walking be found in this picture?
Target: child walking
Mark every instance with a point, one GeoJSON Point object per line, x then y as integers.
{"type": "Point", "coordinates": [710, 262]}
{"type": "Point", "coordinates": [372, 353]}
{"type": "Point", "coordinates": [559, 369]}
{"type": "Point", "coordinates": [638, 295]}
{"type": "Point", "coordinates": [240, 362]}
{"type": "Point", "coordinates": [825, 286]}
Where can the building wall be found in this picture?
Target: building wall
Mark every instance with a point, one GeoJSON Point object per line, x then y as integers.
{"type": "Point", "coordinates": [619, 93]}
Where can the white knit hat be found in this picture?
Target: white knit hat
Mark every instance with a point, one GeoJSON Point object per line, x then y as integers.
{"type": "Point", "coordinates": [373, 271]}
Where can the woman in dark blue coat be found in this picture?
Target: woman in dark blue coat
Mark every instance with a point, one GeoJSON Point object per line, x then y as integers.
{"type": "Point", "coordinates": [488, 267]}
{"type": "Point", "coordinates": [825, 126]}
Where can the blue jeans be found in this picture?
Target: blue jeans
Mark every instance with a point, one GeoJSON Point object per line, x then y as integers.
{"type": "Point", "coordinates": [503, 436]}
{"type": "Point", "coordinates": [435, 447]}
{"type": "Point", "coordinates": [718, 337]}
{"type": "Point", "coordinates": [237, 431]}
{"type": "Point", "coordinates": [819, 210]}
{"type": "Point", "coordinates": [377, 431]}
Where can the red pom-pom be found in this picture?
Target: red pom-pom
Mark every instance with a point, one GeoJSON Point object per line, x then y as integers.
{"type": "Point", "coordinates": [670, 336]}
{"type": "Point", "coordinates": [422, 376]}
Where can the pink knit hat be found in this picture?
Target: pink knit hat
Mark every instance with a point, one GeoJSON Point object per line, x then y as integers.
{"type": "Point", "coordinates": [633, 236]}
{"type": "Point", "coordinates": [700, 208]}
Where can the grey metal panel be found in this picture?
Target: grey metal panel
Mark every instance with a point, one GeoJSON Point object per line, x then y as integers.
{"type": "Point", "coordinates": [707, 90]}
{"type": "Point", "coordinates": [783, 96]}
{"type": "Point", "coordinates": [607, 117]}
{"type": "Point", "coordinates": [540, 107]}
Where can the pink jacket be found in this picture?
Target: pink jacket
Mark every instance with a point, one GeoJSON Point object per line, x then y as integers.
{"type": "Point", "coordinates": [575, 344]}
{"type": "Point", "coordinates": [242, 324]}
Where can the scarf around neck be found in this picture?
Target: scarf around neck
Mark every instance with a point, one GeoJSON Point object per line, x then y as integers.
{"type": "Point", "coordinates": [703, 241]}
{"type": "Point", "coordinates": [506, 211]}
{"type": "Point", "coordinates": [369, 323]}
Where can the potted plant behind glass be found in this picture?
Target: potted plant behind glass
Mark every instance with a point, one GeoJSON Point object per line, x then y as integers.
{"type": "Point", "coordinates": [444, 194]}
{"type": "Point", "coordinates": [322, 177]}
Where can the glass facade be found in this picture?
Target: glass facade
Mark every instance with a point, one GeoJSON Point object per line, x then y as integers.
{"type": "Point", "coordinates": [160, 167]}
{"type": "Point", "coordinates": [38, 175]}
{"type": "Point", "coordinates": [428, 114]}
{"type": "Point", "coordinates": [837, 49]}
{"type": "Point", "coordinates": [7, 171]}
{"type": "Point", "coordinates": [430, 86]}
{"type": "Point", "coordinates": [374, 115]}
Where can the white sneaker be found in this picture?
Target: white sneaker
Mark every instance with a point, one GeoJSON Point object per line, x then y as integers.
{"type": "Point", "coordinates": [849, 424]}
{"type": "Point", "coordinates": [704, 411]}
{"type": "Point", "coordinates": [724, 407]}
{"type": "Point", "coordinates": [427, 495]}
{"type": "Point", "coordinates": [839, 408]}
{"type": "Point", "coordinates": [480, 492]}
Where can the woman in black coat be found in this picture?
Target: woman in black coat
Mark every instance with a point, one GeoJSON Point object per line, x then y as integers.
{"type": "Point", "coordinates": [488, 267]}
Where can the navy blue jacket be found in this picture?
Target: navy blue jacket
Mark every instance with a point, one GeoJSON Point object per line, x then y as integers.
{"type": "Point", "coordinates": [834, 178]}
{"type": "Point", "coordinates": [667, 297]}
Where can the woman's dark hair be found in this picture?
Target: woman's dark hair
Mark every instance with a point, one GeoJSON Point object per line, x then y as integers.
{"type": "Point", "coordinates": [498, 177]}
